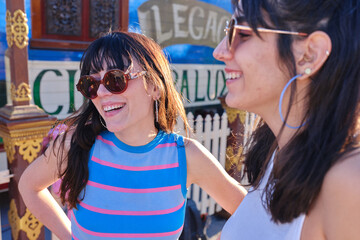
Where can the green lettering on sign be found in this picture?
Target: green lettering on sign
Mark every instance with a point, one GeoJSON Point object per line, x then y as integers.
{"type": "Point", "coordinates": [71, 90]}
{"type": "Point", "coordinates": [176, 78]}
{"type": "Point", "coordinates": [224, 79]}
{"type": "Point", "coordinates": [197, 99]}
{"type": "Point", "coordinates": [185, 84]}
{"type": "Point", "coordinates": [208, 87]}
{"type": "Point", "coordinates": [36, 89]}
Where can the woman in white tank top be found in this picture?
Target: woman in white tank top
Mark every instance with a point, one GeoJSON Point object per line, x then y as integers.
{"type": "Point", "coordinates": [296, 64]}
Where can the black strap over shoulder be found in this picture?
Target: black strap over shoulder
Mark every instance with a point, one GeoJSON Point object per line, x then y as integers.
{"type": "Point", "coordinates": [193, 226]}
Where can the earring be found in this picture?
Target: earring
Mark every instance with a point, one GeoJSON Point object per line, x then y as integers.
{"type": "Point", "coordinates": [308, 71]}
{"type": "Point", "coordinates": [281, 100]}
{"type": "Point", "coordinates": [327, 52]}
{"type": "Point", "coordinates": [156, 111]}
{"type": "Point", "coordinates": [101, 121]}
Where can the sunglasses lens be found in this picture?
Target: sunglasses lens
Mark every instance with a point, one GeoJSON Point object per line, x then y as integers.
{"type": "Point", "coordinates": [88, 87]}
{"type": "Point", "coordinates": [231, 32]}
{"type": "Point", "coordinates": [115, 81]}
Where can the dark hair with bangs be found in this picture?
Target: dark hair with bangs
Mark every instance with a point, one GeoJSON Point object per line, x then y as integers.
{"type": "Point", "coordinates": [114, 50]}
{"type": "Point", "coordinates": [105, 52]}
{"type": "Point", "coordinates": [332, 104]}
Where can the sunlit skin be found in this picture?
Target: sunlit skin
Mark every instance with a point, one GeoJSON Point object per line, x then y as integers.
{"type": "Point", "coordinates": [130, 125]}
{"type": "Point", "coordinates": [253, 62]}
{"type": "Point", "coordinates": [255, 78]}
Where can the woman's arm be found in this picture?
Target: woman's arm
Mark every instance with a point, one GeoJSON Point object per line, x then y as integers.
{"type": "Point", "coordinates": [33, 188]}
{"type": "Point", "coordinates": [205, 171]}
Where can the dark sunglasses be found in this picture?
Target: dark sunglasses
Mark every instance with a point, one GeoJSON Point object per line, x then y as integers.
{"type": "Point", "coordinates": [116, 81]}
{"type": "Point", "coordinates": [232, 26]}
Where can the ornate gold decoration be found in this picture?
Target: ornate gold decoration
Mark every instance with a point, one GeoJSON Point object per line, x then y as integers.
{"type": "Point", "coordinates": [232, 113]}
{"type": "Point", "coordinates": [21, 29]}
{"type": "Point", "coordinates": [28, 223]}
{"type": "Point", "coordinates": [29, 149]}
{"type": "Point", "coordinates": [242, 116]}
{"type": "Point", "coordinates": [10, 150]}
{"type": "Point", "coordinates": [232, 158]}
{"type": "Point", "coordinates": [31, 225]}
{"type": "Point", "coordinates": [9, 35]}
{"type": "Point", "coordinates": [22, 93]}
{"type": "Point", "coordinates": [25, 138]}
{"type": "Point", "coordinates": [17, 29]}
{"type": "Point", "coordinates": [14, 219]}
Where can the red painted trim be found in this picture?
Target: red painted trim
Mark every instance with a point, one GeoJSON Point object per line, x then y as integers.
{"type": "Point", "coordinates": [4, 186]}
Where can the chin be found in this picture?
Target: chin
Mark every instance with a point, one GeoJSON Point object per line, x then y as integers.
{"type": "Point", "coordinates": [230, 101]}
{"type": "Point", "coordinates": [235, 103]}
{"type": "Point", "coordinates": [114, 128]}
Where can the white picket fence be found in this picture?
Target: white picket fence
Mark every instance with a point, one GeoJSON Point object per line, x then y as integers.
{"type": "Point", "coordinates": [212, 132]}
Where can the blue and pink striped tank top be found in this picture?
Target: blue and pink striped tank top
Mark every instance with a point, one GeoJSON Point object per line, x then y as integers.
{"type": "Point", "coordinates": [133, 192]}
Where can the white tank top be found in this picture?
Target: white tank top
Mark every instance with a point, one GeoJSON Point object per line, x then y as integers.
{"type": "Point", "coordinates": [251, 221]}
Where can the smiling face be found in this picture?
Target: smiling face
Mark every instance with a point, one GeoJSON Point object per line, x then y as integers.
{"type": "Point", "coordinates": [130, 112]}
{"type": "Point", "coordinates": [254, 78]}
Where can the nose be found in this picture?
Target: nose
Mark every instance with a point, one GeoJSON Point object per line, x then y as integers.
{"type": "Point", "coordinates": [102, 91]}
{"type": "Point", "coordinates": [222, 52]}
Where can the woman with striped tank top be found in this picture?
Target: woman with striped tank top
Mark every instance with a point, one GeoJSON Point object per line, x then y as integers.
{"type": "Point", "coordinates": [296, 64]}
{"type": "Point", "coordinates": [124, 171]}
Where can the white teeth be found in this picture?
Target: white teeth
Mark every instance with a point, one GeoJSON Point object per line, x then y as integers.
{"type": "Point", "coordinates": [232, 75]}
{"type": "Point", "coordinates": [112, 107]}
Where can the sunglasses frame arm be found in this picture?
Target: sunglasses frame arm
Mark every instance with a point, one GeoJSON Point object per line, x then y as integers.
{"type": "Point", "coordinates": [266, 30]}
{"type": "Point", "coordinates": [137, 74]}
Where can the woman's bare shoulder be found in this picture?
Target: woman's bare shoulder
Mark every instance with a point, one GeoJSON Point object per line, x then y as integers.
{"type": "Point", "coordinates": [196, 153]}
{"type": "Point", "coordinates": [346, 170]}
{"type": "Point", "coordinates": [192, 146]}
{"type": "Point", "coordinates": [60, 144]}
{"type": "Point", "coordinates": [340, 198]}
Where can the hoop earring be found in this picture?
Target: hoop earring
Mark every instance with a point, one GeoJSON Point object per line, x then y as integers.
{"type": "Point", "coordinates": [281, 100]}
{"type": "Point", "coordinates": [156, 111]}
{"type": "Point", "coordinates": [101, 121]}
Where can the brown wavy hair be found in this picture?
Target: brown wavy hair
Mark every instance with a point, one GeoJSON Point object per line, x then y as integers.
{"type": "Point", "coordinates": [118, 50]}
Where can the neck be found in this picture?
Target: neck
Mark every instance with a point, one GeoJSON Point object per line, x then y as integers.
{"type": "Point", "coordinates": [283, 136]}
{"type": "Point", "coordinates": [294, 119]}
{"type": "Point", "coordinates": [137, 138]}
